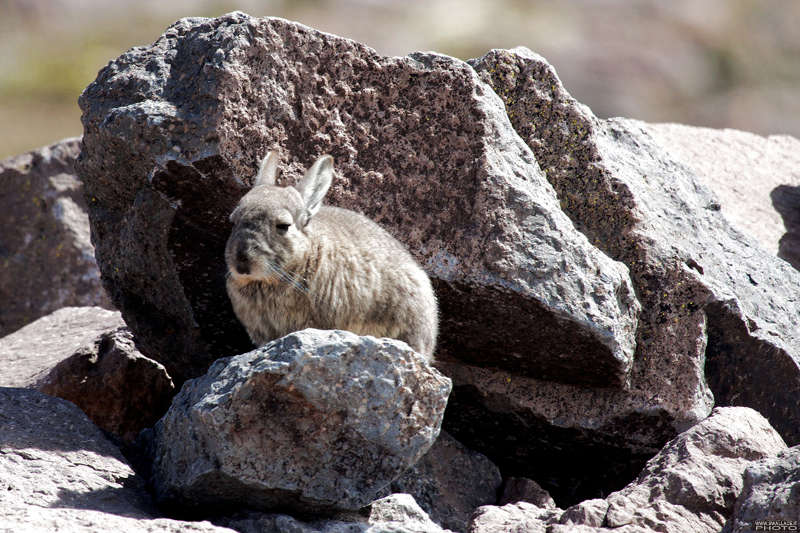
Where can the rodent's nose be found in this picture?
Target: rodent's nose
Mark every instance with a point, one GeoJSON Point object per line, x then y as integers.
{"type": "Point", "coordinates": [242, 262]}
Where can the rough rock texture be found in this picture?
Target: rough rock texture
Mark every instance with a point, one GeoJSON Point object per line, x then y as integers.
{"type": "Point", "coordinates": [28, 354]}
{"type": "Point", "coordinates": [396, 513]}
{"type": "Point", "coordinates": [46, 259]}
{"type": "Point", "coordinates": [587, 513]}
{"type": "Point", "coordinates": [450, 482]}
{"type": "Point", "coordinates": [713, 304]}
{"type": "Point", "coordinates": [174, 131]}
{"type": "Point", "coordinates": [786, 199]}
{"type": "Point", "coordinates": [317, 420]}
{"type": "Point", "coordinates": [59, 473]}
{"type": "Point", "coordinates": [689, 486]}
{"type": "Point", "coordinates": [520, 517]}
{"type": "Point", "coordinates": [86, 355]}
{"type": "Point", "coordinates": [743, 170]}
{"type": "Point", "coordinates": [771, 493]}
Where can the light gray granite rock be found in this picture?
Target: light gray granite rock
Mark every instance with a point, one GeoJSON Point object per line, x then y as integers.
{"type": "Point", "coordinates": [315, 421]}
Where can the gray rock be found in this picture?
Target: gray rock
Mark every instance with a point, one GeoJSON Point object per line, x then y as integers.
{"type": "Point", "coordinates": [771, 492]}
{"type": "Point", "coordinates": [742, 169]}
{"type": "Point", "coordinates": [587, 513]}
{"type": "Point", "coordinates": [86, 355]}
{"type": "Point", "coordinates": [714, 305]}
{"type": "Point", "coordinates": [31, 352]}
{"type": "Point", "coordinates": [46, 257]}
{"type": "Point", "coordinates": [691, 485]}
{"type": "Point", "coordinates": [59, 473]}
{"type": "Point", "coordinates": [314, 421]}
{"type": "Point", "coordinates": [173, 132]}
{"type": "Point", "coordinates": [397, 513]}
{"type": "Point", "coordinates": [520, 517]}
{"type": "Point", "coordinates": [450, 482]}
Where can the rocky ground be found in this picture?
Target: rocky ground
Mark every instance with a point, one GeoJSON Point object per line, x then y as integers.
{"type": "Point", "coordinates": [619, 341]}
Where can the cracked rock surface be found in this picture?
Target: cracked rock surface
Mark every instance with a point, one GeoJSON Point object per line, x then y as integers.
{"type": "Point", "coordinates": [314, 421]}
{"type": "Point", "coordinates": [173, 133]}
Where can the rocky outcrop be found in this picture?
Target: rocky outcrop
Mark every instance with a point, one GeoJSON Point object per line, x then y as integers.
{"type": "Point", "coordinates": [771, 493]}
{"type": "Point", "coordinates": [46, 258]}
{"type": "Point", "coordinates": [593, 297]}
{"type": "Point", "coordinates": [689, 486]}
{"type": "Point", "coordinates": [714, 307]}
{"type": "Point", "coordinates": [314, 421]}
{"type": "Point", "coordinates": [59, 473]}
{"type": "Point", "coordinates": [86, 355]}
{"type": "Point", "coordinates": [173, 133]}
{"type": "Point", "coordinates": [450, 482]}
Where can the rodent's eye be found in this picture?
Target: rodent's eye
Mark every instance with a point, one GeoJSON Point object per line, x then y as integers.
{"type": "Point", "coordinates": [282, 227]}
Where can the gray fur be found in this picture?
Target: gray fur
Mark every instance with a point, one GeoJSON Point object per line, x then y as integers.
{"type": "Point", "coordinates": [294, 263]}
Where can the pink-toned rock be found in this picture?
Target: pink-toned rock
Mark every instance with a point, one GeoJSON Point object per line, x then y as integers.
{"type": "Point", "coordinates": [46, 257]}
{"type": "Point", "coordinates": [718, 313]}
{"type": "Point", "coordinates": [174, 132]}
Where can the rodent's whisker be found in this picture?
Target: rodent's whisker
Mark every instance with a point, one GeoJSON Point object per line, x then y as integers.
{"type": "Point", "coordinates": [287, 277]}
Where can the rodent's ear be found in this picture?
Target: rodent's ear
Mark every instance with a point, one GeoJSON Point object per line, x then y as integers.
{"type": "Point", "coordinates": [315, 184]}
{"type": "Point", "coordinates": [268, 170]}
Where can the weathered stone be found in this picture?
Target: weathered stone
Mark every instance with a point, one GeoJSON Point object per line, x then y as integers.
{"type": "Point", "coordinates": [520, 517]}
{"type": "Point", "coordinates": [59, 473]}
{"type": "Point", "coordinates": [314, 421]}
{"type": "Point", "coordinates": [691, 485]}
{"type": "Point", "coordinates": [30, 353]}
{"type": "Point", "coordinates": [742, 169]}
{"type": "Point", "coordinates": [587, 513]}
{"type": "Point", "coordinates": [46, 257]}
{"type": "Point", "coordinates": [86, 355]}
{"type": "Point", "coordinates": [520, 489]}
{"type": "Point", "coordinates": [397, 513]}
{"type": "Point", "coordinates": [708, 296]}
{"type": "Point", "coordinates": [771, 492]}
{"type": "Point", "coordinates": [173, 132]}
{"type": "Point", "coordinates": [450, 482]}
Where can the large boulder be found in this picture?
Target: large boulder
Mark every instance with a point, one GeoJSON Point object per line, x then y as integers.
{"type": "Point", "coordinates": [59, 473]}
{"type": "Point", "coordinates": [87, 355]}
{"type": "Point", "coordinates": [314, 421]}
{"type": "Point", "coordinates": [174, 131]}
{"type": "Point", "coordinates": [715, 307]}
{"type": "Point", "coordinates": [46, 257]}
